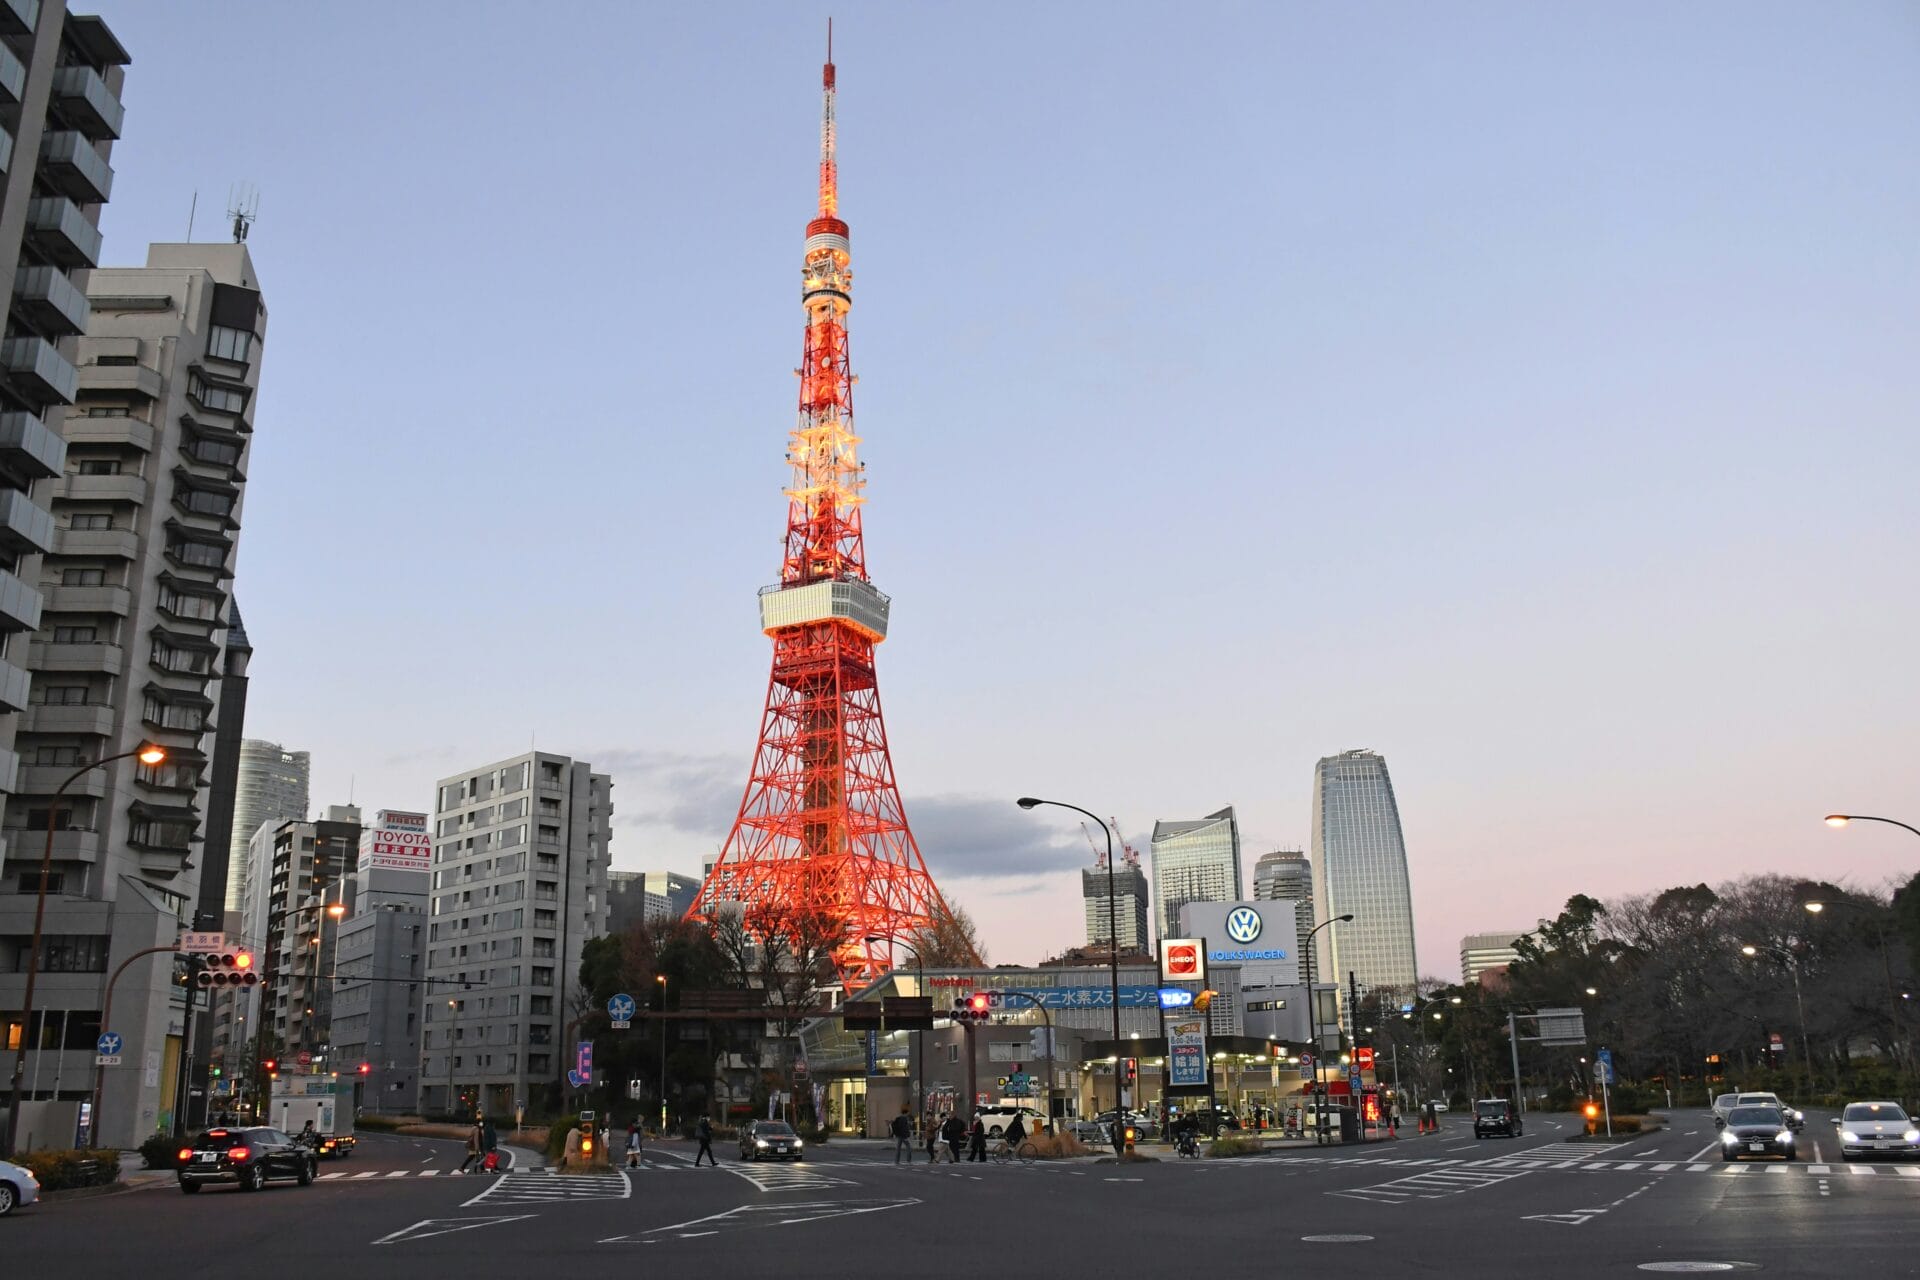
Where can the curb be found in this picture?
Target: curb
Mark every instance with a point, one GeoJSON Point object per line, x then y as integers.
{"type": "Point", "coordinates": [89, 1193]}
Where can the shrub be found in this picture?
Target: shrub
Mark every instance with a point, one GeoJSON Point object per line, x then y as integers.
{"type": "Point", "coordinates": [557, 1136]}
{"type": "Point", "coordinates": [378, 1124]}
{"type": "Point", "coordinates": [159, 1152]}
{"type": "Point", "coordinates": [65, 1170]}
{"type": "Point", "coordinates": [1224, 1147]}
{"type": "Point", "coordinates": [814, 1135]}
{"type": "Point", "coordinates": [1058, 1146]}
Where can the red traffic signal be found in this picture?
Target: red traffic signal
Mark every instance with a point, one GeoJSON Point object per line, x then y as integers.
{"type": "Point", "coordinates": [366, 1069]}
{"type": "Point", "coordinates": [1132, 1067]}
{"type": "Point", "coordinates": [979, 1002]}
{"type": "Point", "coordinates": [234, 969]}
{"type": "Point", "coordinates": [268, 1064]}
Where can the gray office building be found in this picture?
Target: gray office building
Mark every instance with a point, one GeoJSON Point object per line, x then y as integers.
{"type": "Point", "coordinates": [272, 788]}
{"type": "Point", "coordinates": [1129, 906]}
{"type": "Point", "coordinates": [1361, 867]}
{"type": "Point", "coordinates": [1195, 861]}
{"type": "Point", "coordinates": [380, 968]}
{"type": "Point", "coordinates": [520, 862]}
{"type": "Point", "coordinates": [1285, 875]}
{"type": "Point", "coordinates": [652, 898]}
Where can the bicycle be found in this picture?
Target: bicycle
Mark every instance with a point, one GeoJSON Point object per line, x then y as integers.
{"type": "Point", "coordinates": [1004, 1152]}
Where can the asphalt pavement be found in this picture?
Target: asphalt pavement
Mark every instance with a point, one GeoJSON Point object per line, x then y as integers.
{"type": "Point", "coordinates": [1433, 1205]}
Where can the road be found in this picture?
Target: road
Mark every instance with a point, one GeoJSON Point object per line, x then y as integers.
{"type": "Point", "coordinates": [1438, 1205]}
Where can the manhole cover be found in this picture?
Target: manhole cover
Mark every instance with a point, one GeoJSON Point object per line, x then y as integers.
{"type": "Point", "coordinates": [1689, 1266]}
{"type": "Point", "coordinates": [1336, 1239]}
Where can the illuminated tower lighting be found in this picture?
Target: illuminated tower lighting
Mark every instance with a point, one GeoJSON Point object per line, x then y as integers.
{"type": "Point", "coordinates": [821, 835]}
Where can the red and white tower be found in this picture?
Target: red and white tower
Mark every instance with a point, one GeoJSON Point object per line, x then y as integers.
{"type": "Point", "coordinates": [821, 834]}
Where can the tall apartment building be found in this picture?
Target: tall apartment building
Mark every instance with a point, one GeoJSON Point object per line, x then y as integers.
{"type": "Point", "coordinates": [309, 867]}
{"type": "Point", "coordinates": [1195, 861]}
{"type": "Point", "coordinates": [631, 904]}
{"type": "Point", "coordinates": [1285, 875]}
{"type": "Point", "coordinates": [1129, 900]}
{"type": "Point", "coordinates": [381, 965]}
{"type": "Point", "coordinates": [271, 788]}
{"type": "Point", "coordinates": [60, 80]}
{"type": "Point", "coordinates": [1360, 864]}
{"type": "Point", "coordinates": [1480, 952]}
{"type": "Point", "coordinates": [520, 861]}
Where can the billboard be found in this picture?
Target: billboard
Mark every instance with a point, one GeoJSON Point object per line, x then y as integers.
{"type": "Point", "coordinates": [1187, 1055]}
{"type": "Point", "coordinates": [398, 841]}
{"type": "Point", "coordinates": [1183, 960]}
{"type": "Point", "coordinates": [1262, 938]}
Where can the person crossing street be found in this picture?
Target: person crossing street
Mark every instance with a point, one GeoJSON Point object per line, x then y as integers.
{"type": "Point", "coordinates": [704, 1131]}
{"type": "Point", "coordinates": [902, 1129]}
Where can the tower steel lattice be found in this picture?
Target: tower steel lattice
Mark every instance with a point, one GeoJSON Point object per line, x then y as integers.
{"type": "Point", "coordinates": [821, 839]}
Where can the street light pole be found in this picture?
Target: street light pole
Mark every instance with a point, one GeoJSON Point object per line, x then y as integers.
{"type": "Point", "coordinates": [1113, 956]}
{"type": "Point", "coordinates": [1842, 819]}
{"type": "Point", "coordinates": [661, 978]}
{"type": "Point", "coordinates": [1881, 932]}
{"type": "Point", "coordinates": [149, 753]}
{"type": "Point", "coordinates": [1313, 1015]}
{"type": "Point", "coordinates": [1793, 968]}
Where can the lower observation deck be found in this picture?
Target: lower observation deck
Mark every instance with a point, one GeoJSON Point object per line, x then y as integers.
{"type": "Point", "coordinates": [858, 604]}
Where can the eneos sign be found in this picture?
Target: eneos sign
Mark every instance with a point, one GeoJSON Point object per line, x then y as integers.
{"type": "Point", "coordinates": [1182, 960]}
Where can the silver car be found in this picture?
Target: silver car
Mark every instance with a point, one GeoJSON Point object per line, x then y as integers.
{"type": "Point", "coordinates": [18, 1187]}
{"type": "Point", "coordinates": [1876, 1129]}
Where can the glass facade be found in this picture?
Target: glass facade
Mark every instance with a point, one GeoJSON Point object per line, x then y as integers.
{"type": "Point", "coordinates": [1194, 862]}
{"type": "Point", "coordinates": [1361, 865]}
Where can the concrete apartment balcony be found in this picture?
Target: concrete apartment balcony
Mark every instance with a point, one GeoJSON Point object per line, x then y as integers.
{"type": "Point", "coordinates": [120, 544]}
{"type": "Point", "coordinates": [121, 379]}
{"type": "Point", "coordinates": [91, 718]}
{"type": "Point", "coordinates": [107, 429]}
{"type": "Point", "coordinates": [104, 659]}
{"type": "Point", "coordinates": [14, 684]}
{"type": "Point", "coordinates": [52, 302]}
{"type": "Point", "coordinates": [19, 17]}
{"type": "Point", "coordinates": [45, 779]}
{"type": "Point", "coordinates": [27, 447]}
{"type": "Point", "coordinates": [79, 488]}
{"type": "Point", "coordinates": [19, 604]}
{"type": "Point", "coordinates": [24, 526]}
{"type": "Point", "coordinates": [70, 165]}
{"type": "Point", "coordinates": [6, 152]}
{"type": "Point", "coordinates": [9, 775]}
{"type": "Point", "coordinates": [38, 370]}
{"type": "Point", "coordinates": [114, 600]}
{"type": "Point", "coordinates": [84, 99]}
{"type": "Point", "coordinates": [62, 232]}
{"type": "Point", "coordinates": [13, 77]}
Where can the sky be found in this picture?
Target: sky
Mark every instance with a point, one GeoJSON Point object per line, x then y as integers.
{"type": "Point", "coordinates": [1525, 392]}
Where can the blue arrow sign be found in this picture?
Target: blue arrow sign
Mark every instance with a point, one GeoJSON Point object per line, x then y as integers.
{"type": "Point", "coordinates": [108, 1044]}
{"type": "Point", "coordinates": [621, 1007]}
{"type": "Point", "coordinates": [575, 1079]}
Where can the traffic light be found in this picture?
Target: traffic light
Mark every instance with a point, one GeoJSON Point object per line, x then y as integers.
{"type": "Point", "coordinates": [975, 1008]}
{"type": "Point", "coordinates": [229, 969]}
{"type": "Point", "coordinates": [1131, 1069]}
{"type": "Point", "coordinates": [366, 1069]}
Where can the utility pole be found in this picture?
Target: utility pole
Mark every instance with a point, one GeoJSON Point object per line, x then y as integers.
{"type": "Point", "coordinates": [1513, 1043]}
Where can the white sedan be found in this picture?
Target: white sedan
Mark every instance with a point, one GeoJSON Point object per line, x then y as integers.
{"type": "Point", "coordinates": [1876, 1128]}
{"type": "Point", "coordinates": [18, 1186]}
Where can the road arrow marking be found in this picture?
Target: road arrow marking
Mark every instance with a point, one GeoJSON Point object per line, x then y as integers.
{"type": "Point", "coordinates": [755, 1216]}
{"type": "Point", "coordinates": [444, 1226]}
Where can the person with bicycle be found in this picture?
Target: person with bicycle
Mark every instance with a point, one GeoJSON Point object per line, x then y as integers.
{"type": "Point", "coordinates": [1186, 1133]}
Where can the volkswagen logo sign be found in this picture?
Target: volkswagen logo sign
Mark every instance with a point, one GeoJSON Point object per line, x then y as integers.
{"type": "Point", "coordinates": [1243, 924]}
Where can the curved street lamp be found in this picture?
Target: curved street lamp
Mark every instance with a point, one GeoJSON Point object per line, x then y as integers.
{"type": "Point", "coordinates": [1113, 955]}
{"type": "Point", "coordinates": [1313, 1016]}
{"type": "Point", "coordinates": [1842, 819]}
{"type": "Point", "coordinates": [1793, 967]}
{"type": "Point", "coordinates": [1881, 932]}
{"type": "Point", "coordinates": [149, 753]}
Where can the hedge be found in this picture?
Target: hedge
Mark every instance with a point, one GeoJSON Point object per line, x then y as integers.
{"type": "Point", "coordinates": [65, 1170]}
{"type": "Point", "coordinates": [160, 1151]}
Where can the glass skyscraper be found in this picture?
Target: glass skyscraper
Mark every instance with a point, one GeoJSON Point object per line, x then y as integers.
{"type": "Point", "coordinates": [1195, 862]}
{"type": "Point", "coordinates": [1360, 862]}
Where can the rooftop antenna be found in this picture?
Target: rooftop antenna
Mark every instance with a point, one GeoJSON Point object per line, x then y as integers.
{"type": "Point", "coordinates": [191, 210]}
{"type": "Point", "coordinates": [243, 206]}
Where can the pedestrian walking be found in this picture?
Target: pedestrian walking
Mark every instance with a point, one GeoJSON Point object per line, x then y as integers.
{"type": "Point", "coordinates": [977, 1140]}
{"type": "Point", "coordinates": [902, 1137]}
{"type": "Point", "coordinates": [933, 1141]}
{"type": "Point", "coordinates": [489, 1136]}
{"type": "Point", "coordinates": [955, 1132]}
{"type": "Point", "coordinates": [704, 1131]}
{"type": "Point", "coordinates": [570, 1153]}
{"type": "Point", "coordinates": [633, 1144]}
{"type": "Point", "coordinates": [476, 1149]}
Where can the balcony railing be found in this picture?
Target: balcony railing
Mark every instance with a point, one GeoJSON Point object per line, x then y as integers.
{"type": "Point", "coordinates": [63, 233]}
{"type": "Point", "coordinates": [39, 371]}
{"type": "Point", "coordinates": [83, 97]}
{"type": "Point", "coordinates": [70, 165]}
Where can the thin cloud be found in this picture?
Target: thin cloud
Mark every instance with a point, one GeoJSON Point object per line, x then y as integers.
{"type": "Point", "coordinates": [976, 837]}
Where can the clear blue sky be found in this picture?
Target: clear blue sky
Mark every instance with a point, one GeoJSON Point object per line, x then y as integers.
{"type": "Point", "coordinates": [1527, 392]}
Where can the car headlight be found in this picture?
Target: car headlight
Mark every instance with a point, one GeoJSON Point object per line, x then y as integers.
{"type": "Point", "coordinates": [797, 1144]}
{"type": "Point", "coordinates": [1848, 1135]}
{"type": "Point", "coordinates": [1730, 1138]}
{"type": "Point", "coordinates": [1784, 1137]}
{"type": "Point", "coordinates": [759, 1142]}
{"type": "Point", "coordinates": [1912, 1135]}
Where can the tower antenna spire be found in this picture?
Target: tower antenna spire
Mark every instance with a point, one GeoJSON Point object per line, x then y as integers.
{"type": "Point", "coordinates": [829, 165]}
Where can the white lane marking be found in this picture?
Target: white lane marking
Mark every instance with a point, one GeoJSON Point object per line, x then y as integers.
{"type": "Point", "coordinates": [358, 1176]}
{"type": "Point", "coordinates": [326, 1177]}
{"type": "Point", "coordinates": [1703, 1151]}
{"type": "Point", "coordinates": [1866, 1169]}
{"type": "Point", "coordinates": [1821, 1168]}
{"type": "Point", "coordinates": [442, 1226]}
{"type": "Point", "coordinates": [1662, 1168]}
{"type": "Point", "coordinates": [400, 1173]}
{"type": "Point", "coordinates": [1698, 1168]}
{"type": "Point", "coordinates": [429, 1173]}
{"type": "Point", "coordinates": [1907, 1171]}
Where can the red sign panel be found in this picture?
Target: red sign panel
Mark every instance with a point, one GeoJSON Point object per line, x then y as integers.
{"type": "Point", "coordinates": [1363, 1058]}
{"type": "Point", "coordinates": [1183, 960]}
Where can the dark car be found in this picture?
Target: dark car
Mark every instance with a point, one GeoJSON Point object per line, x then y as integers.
{"type": "Point", "coordinates": [1496, 1118]}
{"type": "Point", "coordinates": [1214, 1121]}
{"type": "Point", "coordinates": [763, 1139]}
{"type": "Point", "coordinates": [1755, 1132]}
{"type": "Point", "coordinates": [247, 1158]}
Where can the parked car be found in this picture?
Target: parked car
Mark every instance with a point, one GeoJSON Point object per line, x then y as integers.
{"type": "Point", "coordinates": [1496, 1118]}
{"type": "Point", "coordinates": [1755, 1131]}
{"type": "Point", "coordinates": [1876, 1129]}
{"type": "Point", "coordinates": [1795, 1120]}
{"type": "Point", "coordinates": [1143, 1126]}
{"type": "Point", "coordinates": [18, 1187]}
{"type": "Point", "coordinates": [997, 1116]}
{"type": "Point", "coordinates": [765, 1139]}
{"type": "Point", "coordinates": [1722, 1105]}
{"type": "Point", "coordinates": [1214, 1120]}
{"type": "Point", "coordinates": [245, 1157]}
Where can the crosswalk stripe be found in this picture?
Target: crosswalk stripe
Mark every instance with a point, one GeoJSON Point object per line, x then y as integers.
{"type": "Point", "coordinates": [1867, 1169]}
{"type": "Point", "coordinates": [1698, 1168]}
{"type": "Point", "coordinates": [1907, 1171]}
{"type": "Point", "coordinates": [1662, 1168]}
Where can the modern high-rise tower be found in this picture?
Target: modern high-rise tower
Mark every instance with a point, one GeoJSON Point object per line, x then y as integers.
{"type": "Point", "coordinates": [1196, 861]}
{"type": "Point", "coordinates": [272, 788]}
{"type": "Point", "coordinates": [1361, 865]}
{"type": "Point", "coordinates": [1285, 875]}
{"type": "Point", "coordinates": [821, 844]}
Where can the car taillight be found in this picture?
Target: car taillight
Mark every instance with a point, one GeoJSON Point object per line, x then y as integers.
{"type": "Point", "coordinates": [186, 1153]}
{"type": "Point", "coordinates": [236, 1153]}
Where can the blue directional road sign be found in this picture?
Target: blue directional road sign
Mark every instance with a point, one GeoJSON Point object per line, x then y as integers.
{"type": "Point", "coordinates": [108, 1043]}
{"type": "Point", "coordinates": [1603, 1066]}
{"type": "Point", "coordinates": [620, 1008]}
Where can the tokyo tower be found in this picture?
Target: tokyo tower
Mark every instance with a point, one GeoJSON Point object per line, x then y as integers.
{"type": "Point", "coordinates": [821, 839]}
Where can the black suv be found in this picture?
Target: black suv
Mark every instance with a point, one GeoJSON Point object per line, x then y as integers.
{"type": "Point", "coordinates": [247, 1157]}
{"type": "Point", "coordinates": [1496, 1116]}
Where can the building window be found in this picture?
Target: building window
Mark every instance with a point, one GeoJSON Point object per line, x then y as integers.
{"type": "Point", "coordinates": [61, 695]}
{"type": "Point", "coordinates": [185, 604]}
{"type": "Point", "coordinates": [116, 362]}
{"type": "Point", "coordinates": [204, 502]}
{"type": "Point", "coordinates": [75, 635]}
{"type": "Point", "coordinates": [199, 555]}
{"type": "Point", "coordinates": [219, 399]}
{"type": "Point", "coordinates": [99, 467]}
{"type": "Point", "coordinates": [83, 577]}
{"type": "Point", "coordinates": [73, 953]}
{"type": "Point", "coordinates": [214, 453]}
{"type": "Point", "coordinates": [171, 715]}
{"type": "Point", "coordinates": [29, 882]}
{"type": "Point", "coordinates": [90, 520]}
{"type": "Point", "coordinates": [59, 755]}
{"type": "Point", "coordinates": [229, 344]}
